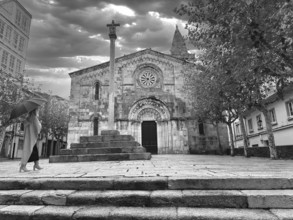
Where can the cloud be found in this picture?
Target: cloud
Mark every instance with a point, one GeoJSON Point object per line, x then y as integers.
{"type": "Point", "coordinates": [53, 81]}
{"type": "Point", "coordinates": [73, 34]}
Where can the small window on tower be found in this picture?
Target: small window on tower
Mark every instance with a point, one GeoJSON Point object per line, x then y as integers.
{"type": "Point", "coordinates": [97, 91]}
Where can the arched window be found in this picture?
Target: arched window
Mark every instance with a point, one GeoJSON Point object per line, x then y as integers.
{"type": "Point", "coordinates": [96, 126]}
{"type": "Point", "coordinates": [97, 91]}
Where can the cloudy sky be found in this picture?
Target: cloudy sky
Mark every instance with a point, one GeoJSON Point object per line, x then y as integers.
{"type": "Point", "coordinates": [68, 35]}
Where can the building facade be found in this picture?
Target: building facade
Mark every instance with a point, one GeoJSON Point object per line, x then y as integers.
{"type": "Point", "coordinates": [15, 22]}
{"type": "Point", "coordinates": [281, 115]}
{"type": "Point", "coordinates": [150, 103]}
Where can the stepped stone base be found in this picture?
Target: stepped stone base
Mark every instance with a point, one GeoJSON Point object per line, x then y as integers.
{"type": "Point", "coordinates": [142, 199]}
{"type": "Point", "coordinates": [107, 147]}
{"type": "Point", "coordinates": [14, 212]}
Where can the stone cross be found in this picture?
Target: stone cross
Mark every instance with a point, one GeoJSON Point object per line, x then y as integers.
{"type": "Point", "coordinates": [111, 107]}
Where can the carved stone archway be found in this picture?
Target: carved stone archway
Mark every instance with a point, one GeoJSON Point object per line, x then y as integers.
{"type": "Point", "coordinates": [150, 109]}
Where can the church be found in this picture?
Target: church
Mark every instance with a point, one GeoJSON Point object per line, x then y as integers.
{"type": "Point", "coordinates": [150, 103]}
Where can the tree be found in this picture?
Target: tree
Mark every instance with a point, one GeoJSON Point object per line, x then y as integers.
{"type": "Point", "coordinates": [214, 94]}
{"type": "Point", "coordinates": [12, 91]}
{"type": "Point", "coordinates": [250, 40]}
{"type": "Point", "coordinates": [55, 118]}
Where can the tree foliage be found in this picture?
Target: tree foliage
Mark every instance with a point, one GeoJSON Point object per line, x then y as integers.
{"type": "Point", "coordinates": [12, 91]}
{"type": "Point", "coordinates": [54, 115]}
{"type": "Point", "coordinates": [55, 118]}
{"type": "Point", "coordinates": [247, 48]}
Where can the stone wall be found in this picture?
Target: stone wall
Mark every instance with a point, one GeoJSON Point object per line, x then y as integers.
{"type": "Point", "coordinates": [284, 152]}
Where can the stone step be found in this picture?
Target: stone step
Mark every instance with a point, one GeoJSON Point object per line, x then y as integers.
{"type": "Point", "coordinates": [99, 157]}
{"type": "Point", "coordinates": [40, 212]}
{"type": "Point", "coordinates": [252, 199]}
{"type": "Point", "coordinates": [105, 144]}
{"type": "Point", "coordinates": [102, 150]}
{"type": "Point", "coordinates": [147, 183]}
{"type": "Point", "coordinates": [87, 139]}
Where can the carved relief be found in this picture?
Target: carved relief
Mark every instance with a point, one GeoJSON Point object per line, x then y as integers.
{"type": "Point", "coordinates": [149, 109]}
{"type": "Point", "coordinates": [147, 79]}
{"type": "Point", "coordinates": [148, 76]}
{"type": "Point", "coordinates": [146, 59]}
{"type": "Point", "coordinates": [149, 114]}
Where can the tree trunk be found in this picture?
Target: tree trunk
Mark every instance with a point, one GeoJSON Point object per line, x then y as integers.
{"type": "Point", "coordinates": [12, 142]}
{"type": "Point", "coordinates": [243, 131]}
{"type": "Point", "coordinates": [219, 140]}
{"type": "Point", "coordinates": [2, 136]}
{"type": "Point", "coordinates": [57, 146]}
{"type": "Point", "coordinates": [52, 145]}
{"type": "Point", "coordinates": [231, 139]}
{"type": "Point", "coordinates": [46, 145]}
{"type": "Point", "coordinates": [271, 138]}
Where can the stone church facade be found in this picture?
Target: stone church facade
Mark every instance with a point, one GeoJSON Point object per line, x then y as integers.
{"type": "Point", "coordinates": [150, 103]}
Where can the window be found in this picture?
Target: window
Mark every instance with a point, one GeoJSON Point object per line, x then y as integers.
{"type": "Point", "coordinates": [96, 126]}
{"type": "Point", "coordinates": [22, 126]}
{"type": "Point", "coordinates": [272, 115]}
{"type": "Point", "coordinates": [18, 66]}
{"type": "Point", "coordinates": [11, 63]}
{"type": "Point", "coordinates": [97, 91]}
{"type": "Point", "coordinates": [289, 106]}
{"type": "Point", "coordinates": [8, 34]}
{"type": "Point", "coordinates": [2, 25]}
{"type": "Point", "coordinates": [238, 130]}
{"type": "Point", "coordinates": [24, 23]}
{"type": "Point", "coordinates": [21, 44]}
{"type": "Point", "coordinates": [200, 128]}
{"type": "Point", "coordinates": [4, 59]}
{"type": "Point", "coordinates": [250, 126]}
{"type": "Point", "coordinates": [15, 39]}
{"type": "Point", "coordinates": [18, 17]}
{"type": "Point", "coordinates": [259, 122]}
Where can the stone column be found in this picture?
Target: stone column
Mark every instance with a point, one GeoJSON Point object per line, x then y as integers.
{"type": "Point", "coordinates": [111, 107]}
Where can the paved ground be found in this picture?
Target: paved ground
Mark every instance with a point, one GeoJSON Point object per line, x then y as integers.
{"type": "Point", "coordinates": [159, 165]}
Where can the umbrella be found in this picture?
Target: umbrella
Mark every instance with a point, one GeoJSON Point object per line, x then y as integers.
{"type": "Point", "coordinates": [26, 106]}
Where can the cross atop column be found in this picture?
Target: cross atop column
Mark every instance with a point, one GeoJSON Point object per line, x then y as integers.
{"type": "Point", "coordinates": [111, 107]}
{"type": "Point", "coordinates": [112, 29]}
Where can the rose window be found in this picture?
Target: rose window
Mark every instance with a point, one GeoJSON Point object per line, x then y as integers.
{"type": "Point", "coordinates": [147, 79]}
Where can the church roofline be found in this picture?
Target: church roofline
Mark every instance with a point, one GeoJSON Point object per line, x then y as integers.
{"type": "Point", "coordinates": [123, 58]}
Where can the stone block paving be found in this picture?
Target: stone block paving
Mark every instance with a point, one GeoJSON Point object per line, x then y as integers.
{"type": "Point", "coordinates": [201, 166]}
{"type": "Point", "coordinates": [165, 187]}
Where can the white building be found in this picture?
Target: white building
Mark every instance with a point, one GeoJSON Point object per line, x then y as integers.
{"type": "Point", "coordinates": [15, 22]}
{"type": "Point", "coordinates": [281, 114]}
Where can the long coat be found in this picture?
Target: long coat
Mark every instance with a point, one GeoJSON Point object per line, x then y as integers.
{"type": "Point", "coordinates": [32, 128]}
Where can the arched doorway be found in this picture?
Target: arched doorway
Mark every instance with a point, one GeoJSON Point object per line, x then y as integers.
{"type": "Point", "coordinates": [149, 136]}
{"type": "Point", "coordinates": [149, 124]}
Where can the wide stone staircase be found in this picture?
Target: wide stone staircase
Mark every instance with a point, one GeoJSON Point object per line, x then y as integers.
{"type": "Point", "coordinates": [110, 145]}
{"type": "Point", "coordinates": [144, 198]}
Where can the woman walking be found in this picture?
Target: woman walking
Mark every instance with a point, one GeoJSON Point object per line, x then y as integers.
{"type": "Point", "coordinates": [32, 128]}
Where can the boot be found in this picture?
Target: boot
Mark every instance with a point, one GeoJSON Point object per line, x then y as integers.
{"type": "Point", "coordinates": [37, 166]}
{"type": "Point", "coordinates": [23, 168]}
